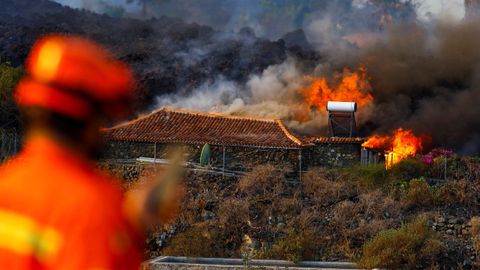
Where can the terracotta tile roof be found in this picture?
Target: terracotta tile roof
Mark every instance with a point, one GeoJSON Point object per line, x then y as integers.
{"type": "Point", "coordinates": [333, 140]}
{"type": "Point", "coordinates": [168, 125]}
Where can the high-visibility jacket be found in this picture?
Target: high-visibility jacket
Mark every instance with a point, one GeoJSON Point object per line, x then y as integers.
{"type": "Point", "coordinates": [58, 212]}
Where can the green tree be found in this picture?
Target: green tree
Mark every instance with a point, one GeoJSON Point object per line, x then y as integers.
{"type": "Point", "coordinates": [9, 77]}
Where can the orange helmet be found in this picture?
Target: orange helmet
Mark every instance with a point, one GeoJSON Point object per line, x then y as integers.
{"type": "Point", "coordinates": [75, 77]}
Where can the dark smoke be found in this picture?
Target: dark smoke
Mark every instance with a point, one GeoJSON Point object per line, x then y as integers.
{"type": "Point", "coordinates": [427, 78]}
{"type": "Point", "coordinates": [424, 76]}
{"type": "Point", "coordinates": [268, 18]}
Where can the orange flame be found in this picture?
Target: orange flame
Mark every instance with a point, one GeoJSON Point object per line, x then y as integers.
{"type": "Point", "coordinates": [402, 144]}
{"type": "Point", "coordinates": [347, 86]}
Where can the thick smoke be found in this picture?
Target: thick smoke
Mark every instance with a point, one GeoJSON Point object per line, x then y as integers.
{"type": "Point", "coordinates": [272, 94]}
{"type": "Point", "coordinates": [268, 18]}
{"type": "Point", "coordinates": [114, 8]}
{"type": "Point", "coordinates": [428, 79]}
{"type": "Point", "coordinates": [424, 74]}
{"type": "Point", "coordinates": [424, 77]}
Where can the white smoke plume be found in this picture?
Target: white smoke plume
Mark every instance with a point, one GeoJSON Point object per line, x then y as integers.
{"type": "Point", "coordinates": [272, 94]}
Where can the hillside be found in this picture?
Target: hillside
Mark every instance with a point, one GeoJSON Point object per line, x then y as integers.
{"type": "Point", "coordinates": [409, 217]}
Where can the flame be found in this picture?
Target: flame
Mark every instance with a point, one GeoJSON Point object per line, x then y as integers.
{"type": "Point", "coordinates": [402, 144]}
{"type": "Point", "coordinates": [347, 86]}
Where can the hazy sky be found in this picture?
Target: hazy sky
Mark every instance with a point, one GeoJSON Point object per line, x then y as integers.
{"type": "Point", "coordinates": [453, 9]}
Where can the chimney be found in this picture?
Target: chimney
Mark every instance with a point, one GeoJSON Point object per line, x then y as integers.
{"type": "Point", "coordinates": [472, 9]}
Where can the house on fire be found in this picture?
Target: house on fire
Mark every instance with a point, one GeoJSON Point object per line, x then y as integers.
{"type": "Point", "coordinates": [236, 143]}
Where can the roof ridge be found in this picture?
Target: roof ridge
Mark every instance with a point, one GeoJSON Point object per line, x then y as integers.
{"type": "Point", "coordinates": [126, 123]}
{"type": "Point", "coordinates": [288, 133]}
{"type": "Point", "coordinates": [334, 137]}
{"type": "Point", "coordinates": [176, 110]}
{"type": "Point", "coordinates": [219, 115]}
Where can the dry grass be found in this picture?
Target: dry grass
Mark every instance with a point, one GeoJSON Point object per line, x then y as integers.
{"type": "Point", "coordinates": [371, 205]}
{"type": "Point", "coordinates": [453, 193]}
{"type": "Point", "coordinates": [263, 180]}
{"type": "Point", "coordinates": [329, 215]}
{"type": "Point", "coordinates": [461, 192]}
{"type": "Point", "coordinates": [318, 184]}
{"type": "Point", "coordinates": [419, 194]}
{"type": "Point", "coordinates": [371, 177]}
{"type": "Point", "coordinates": [296, 245]}
{"type": "Point", "coordinates": [289, 206]}
{"type": "Point", "coordinates": [196, 241]}
{"type": "Point", "coordinates": [356, 222]}
{"type": "Point", "coordinates": [233, 212]}
{"type": "Point", "coordinates": [475, 232]}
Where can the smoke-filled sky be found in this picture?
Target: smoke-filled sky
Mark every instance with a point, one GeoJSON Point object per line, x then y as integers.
{"type": "Point", "coordinates": [442, 8]}
{"type": "Point", "coordinates": [424, 73]}
{"type": "Point", "coordinates": [427, 9]}
{"type": "Point", "coordinates": [452, 8]}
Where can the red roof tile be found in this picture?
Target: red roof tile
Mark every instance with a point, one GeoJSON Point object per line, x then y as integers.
{"type": "Point", "coordinates": [168, 125]}
{"type": "Point", "coordinates": [333, 140]}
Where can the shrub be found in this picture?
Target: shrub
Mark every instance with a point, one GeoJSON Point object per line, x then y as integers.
{"type": "Point", "coordinates": [233, 212]}
{"type": "Point", "coordinates": [361, 220]}
{"type": "Point", "coordinates": [409, 246]}
{"type": "Point", "coordinates": [288, 206]}
{"type": "Point", "coordinates": [290, 249]}
{"type": "Point", "coordinates": [196, 241]}
{"type": "Point", "coordinates": [475, 232]}
{"type": "Point", "coordinates": [454, 192]}
{"type": "Point", "coordinates": [407, 169]}
{"type": "Point", "coordinates": [294, 247]}
{"type": "Point", "coordinates": [418, 194]}
{"type": "Point", "coordinates": [317, 185]}
{"type": "Point", "coordinates": [461, 192]}
{"type": "Point", "coordinates": [263, 180]}
{"type": "Point", "coordinates": [372, 176]}
{"type": "Point", "coordinates": [377, 205]}
{"type": "Point", "coordinates": [312, 181]}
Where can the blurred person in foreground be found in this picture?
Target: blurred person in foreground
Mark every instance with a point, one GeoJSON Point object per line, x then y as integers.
{"type": "Point", "coordinates": [57, 210]}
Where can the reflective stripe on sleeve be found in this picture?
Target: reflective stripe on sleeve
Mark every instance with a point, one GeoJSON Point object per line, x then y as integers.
{"type": "Point", "coordinates": [22, 234]}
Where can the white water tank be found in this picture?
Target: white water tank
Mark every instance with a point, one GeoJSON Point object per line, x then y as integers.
{"type": "Point", "coordinates": [338, 106]}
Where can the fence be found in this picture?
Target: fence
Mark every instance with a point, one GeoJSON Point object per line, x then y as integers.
{"type": "Point", "coordinates": [9, 143]}
{"type": "Point", "coordinates": [455, 168]}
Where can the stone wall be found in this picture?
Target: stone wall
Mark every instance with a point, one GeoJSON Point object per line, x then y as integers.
{"type": "Point", "coordinates": [236, 158]}
{"type": "Point", "coordinates": [245, 158]}
{"type": "Point", "coordinates": [331, 155]}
